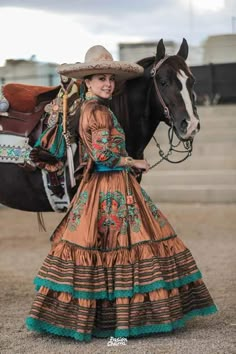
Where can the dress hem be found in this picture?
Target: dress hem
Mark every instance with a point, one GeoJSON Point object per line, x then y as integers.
{"type": "Point", "coordinates": [42, 326]}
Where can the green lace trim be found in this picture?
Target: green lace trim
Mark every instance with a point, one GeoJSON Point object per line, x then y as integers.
{"type": "Point", "coordinates": [166, 327]}
{"type": "Point", "coordinates": [41, 326]}
{"type": "Point", "coordinates": [140, 289]}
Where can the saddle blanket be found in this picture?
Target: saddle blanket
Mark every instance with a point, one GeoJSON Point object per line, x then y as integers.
{"type": "Point", "coordinates": [14, 149]}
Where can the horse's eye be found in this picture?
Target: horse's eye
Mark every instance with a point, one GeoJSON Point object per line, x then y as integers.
{"type": "Point", "coordinates": [163, 83]}
{"type": "Point", "coordinates": [191, 81]}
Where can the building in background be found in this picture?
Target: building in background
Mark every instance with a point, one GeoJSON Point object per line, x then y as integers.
{"type": "Point", "coordinates": [220, 49]}
{"type": "Point", "coordinates": [214, 50]}
{"type": "Point", "coordinates": [137, 51]}
{"type": "Point", "coordinates": [29, 72]}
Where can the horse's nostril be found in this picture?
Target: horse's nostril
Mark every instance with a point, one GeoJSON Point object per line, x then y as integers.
{"type": "Point", "coordinates": [184, 125]}
{"type": "Point", "coordinates": [198, 126]}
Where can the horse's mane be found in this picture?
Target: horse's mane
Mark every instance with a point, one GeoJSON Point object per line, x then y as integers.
{"type": "Point", "coordinates": [119, 105]}
{"type": "Point", "coordinates": [178, 63]}
{"type": "Point", "coordinates": [146, 62]}
{"type": "Point", "coordinates": [119, 102]}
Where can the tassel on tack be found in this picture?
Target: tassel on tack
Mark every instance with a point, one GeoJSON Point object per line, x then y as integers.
{"type": "Point", "coordinates": [70, 157]}
{"type": "Point", "coordinates": [70, 161]}
{"type": "Point", "coordinates": [65, 110]}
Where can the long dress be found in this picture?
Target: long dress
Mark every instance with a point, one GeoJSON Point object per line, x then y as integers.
{"type": "Point", "coordinates": [116, 266]}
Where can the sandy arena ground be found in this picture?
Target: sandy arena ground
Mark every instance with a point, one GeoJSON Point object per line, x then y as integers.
{"type": "Point", "coordinates": [208, 230]}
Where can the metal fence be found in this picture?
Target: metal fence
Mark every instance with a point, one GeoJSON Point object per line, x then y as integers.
{"type": "Point", "coordinates": [215, 83]}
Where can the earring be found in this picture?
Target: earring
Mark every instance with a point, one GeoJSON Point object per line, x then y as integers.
{"type": "Point", "coordinates": [89, 94]}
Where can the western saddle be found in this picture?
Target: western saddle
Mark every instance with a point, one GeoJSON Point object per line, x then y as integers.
{"type": "Point", "coordinates": [26, 107]}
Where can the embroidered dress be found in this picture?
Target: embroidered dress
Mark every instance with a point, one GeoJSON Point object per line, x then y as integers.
{"type": "Point", "coordinates": [116, 267]}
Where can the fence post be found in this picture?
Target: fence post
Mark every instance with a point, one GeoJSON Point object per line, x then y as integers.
{"type": "Point", "coordinates": [212, 82]}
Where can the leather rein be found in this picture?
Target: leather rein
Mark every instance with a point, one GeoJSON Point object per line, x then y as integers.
{"type": "Point", "coordinates": [187, 144]}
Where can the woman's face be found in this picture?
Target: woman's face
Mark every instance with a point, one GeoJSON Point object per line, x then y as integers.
{"type": "Point", "coordinates": [101, 85]}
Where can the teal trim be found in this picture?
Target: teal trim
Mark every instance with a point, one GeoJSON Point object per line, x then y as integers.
{"type": "Point", "coordinates": [99, 99]}
{"type": "Point", "coordinates": [99, 167]}
{"type": "Point", "coordinates": [119, 293]}
{"type": "Point", "coordinates": [41, 326]}
{"type": "Point", "coordinates": [166, 327]}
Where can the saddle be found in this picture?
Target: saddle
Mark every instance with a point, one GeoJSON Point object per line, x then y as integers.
{"type": "Point", "coordinates": [31, 113]}
{"type": "Point", "coordinates": [26, 106]}
{"type": "Point", "coordinates": [24, 98]}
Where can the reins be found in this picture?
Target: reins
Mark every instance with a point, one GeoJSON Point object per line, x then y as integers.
{"type": "Point", "coordinates": [187, 144]}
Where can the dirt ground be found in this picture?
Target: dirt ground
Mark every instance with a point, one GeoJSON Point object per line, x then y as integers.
{"type": "Point", "coordinates": [208, 230]}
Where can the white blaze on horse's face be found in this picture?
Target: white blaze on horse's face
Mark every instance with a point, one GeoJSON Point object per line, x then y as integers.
{"type": "Point", "coordinates": [193, 121]}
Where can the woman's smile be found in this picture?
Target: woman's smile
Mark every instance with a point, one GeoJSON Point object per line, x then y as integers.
{"type": "Point", "coordinates": [101, 85]}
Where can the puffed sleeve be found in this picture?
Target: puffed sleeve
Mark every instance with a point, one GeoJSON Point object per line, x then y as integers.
{"type": "Point", "coordinates": [102, 147]}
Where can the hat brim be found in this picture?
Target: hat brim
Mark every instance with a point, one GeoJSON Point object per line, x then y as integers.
{"type": "Point", "coordinates": [121, 70]}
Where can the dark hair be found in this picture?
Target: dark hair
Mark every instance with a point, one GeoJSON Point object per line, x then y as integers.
{"type": "Point", "coordinates": [89, 77]}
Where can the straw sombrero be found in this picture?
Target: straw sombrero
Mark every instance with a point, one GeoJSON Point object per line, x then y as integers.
{"type": "Point", "coordinates": [99, 61]}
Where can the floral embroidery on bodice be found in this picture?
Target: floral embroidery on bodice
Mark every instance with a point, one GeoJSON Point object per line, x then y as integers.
{"type": "Point", "coordinates": [102, 137]}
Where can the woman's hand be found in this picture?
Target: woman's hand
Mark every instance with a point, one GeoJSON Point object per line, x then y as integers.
{"type": "Point", "coordinates": [142, 165]}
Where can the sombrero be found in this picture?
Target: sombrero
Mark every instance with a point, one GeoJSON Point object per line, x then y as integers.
{"type": "Point", "coordinates": [99, 61]}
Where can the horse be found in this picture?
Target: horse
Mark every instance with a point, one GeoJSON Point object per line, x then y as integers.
{"type": "Point", "coordinates": [165, 93]}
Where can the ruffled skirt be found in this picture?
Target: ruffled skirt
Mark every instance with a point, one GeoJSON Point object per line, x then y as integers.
{"type": "Point", "coordinates": [116, 268]}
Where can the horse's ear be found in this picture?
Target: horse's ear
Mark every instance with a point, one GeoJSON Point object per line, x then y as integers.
{"type": "Point", "coordinates": [183, 50]}
{"type": "Point", "coordinates": [161, 51]}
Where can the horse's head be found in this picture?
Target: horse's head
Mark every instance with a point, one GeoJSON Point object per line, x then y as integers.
{"type": "Point", "coordinates": [171, 90]}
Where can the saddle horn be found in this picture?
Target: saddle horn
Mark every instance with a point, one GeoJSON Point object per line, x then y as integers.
{"type": "Point", "coordinates": [183, 50]}
{"type": "Point", "coordinates": [161, 51]}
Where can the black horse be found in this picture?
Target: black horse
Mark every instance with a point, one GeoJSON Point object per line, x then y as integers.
{"type": "Point", "coordinates": [163, 93]}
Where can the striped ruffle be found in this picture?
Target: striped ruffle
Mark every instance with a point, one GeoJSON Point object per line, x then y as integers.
{"type": "Point", "coordinates": [122, 273]}
{"type": "Point", "coordinates": [84, 293]}
{"type": "Point", "coordinates": [102, 318]}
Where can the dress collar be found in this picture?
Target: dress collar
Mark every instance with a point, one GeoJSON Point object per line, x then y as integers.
{"type": "Point", "coordinates": [104, 101]}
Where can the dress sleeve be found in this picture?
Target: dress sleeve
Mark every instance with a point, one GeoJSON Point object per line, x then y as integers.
{"type": "Point", "coordinates": [103, 147]}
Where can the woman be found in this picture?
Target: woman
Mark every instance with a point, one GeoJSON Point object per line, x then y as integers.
{"type": "Point", "coordinates": [116, 267]}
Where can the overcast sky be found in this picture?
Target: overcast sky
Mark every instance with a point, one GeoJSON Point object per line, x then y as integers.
{"type": "Point", "coordinates": [62, 30]}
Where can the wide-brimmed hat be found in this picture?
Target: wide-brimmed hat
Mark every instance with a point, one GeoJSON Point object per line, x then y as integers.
{"type": "Point", "coordinates": [99, 61]}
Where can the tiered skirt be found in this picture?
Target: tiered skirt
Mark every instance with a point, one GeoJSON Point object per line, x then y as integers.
{"type": "Point", "coordinates": [116, 268]}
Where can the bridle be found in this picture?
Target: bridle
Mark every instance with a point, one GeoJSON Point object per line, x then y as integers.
{"type": "Point", "coordinates": [153, 75]}
{"type": "Point", "coordinates": [187, 144]}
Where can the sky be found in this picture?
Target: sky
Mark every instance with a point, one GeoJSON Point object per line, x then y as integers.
{"type": "Point", "coordinates": [61, 31]}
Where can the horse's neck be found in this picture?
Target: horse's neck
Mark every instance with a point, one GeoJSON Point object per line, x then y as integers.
{"type": "Point", "coordinates": [132, 108]}
{"type": "Point", "coordinates": [119, 106]}
{"type": "Point", "coordinates": [143, 120]}
{"type": "Point", "coordinates": [143, 135]}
